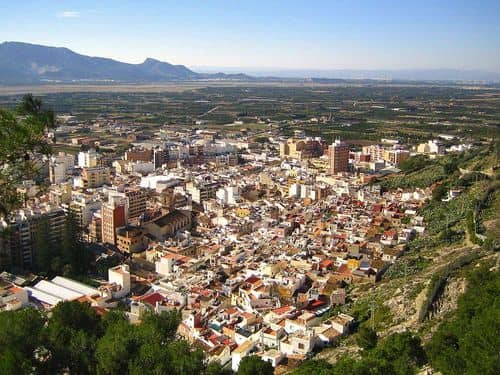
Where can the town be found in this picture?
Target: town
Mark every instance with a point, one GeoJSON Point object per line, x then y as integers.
{"type": "Point", "coordinates": [249, 187]}
{"type": "Point", "coordinates": [254, 243]}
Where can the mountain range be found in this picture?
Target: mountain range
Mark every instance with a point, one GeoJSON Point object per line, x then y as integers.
{"type": "Point", "coordinates": [29, 63]}
{"type": "Point", "coordinates": [24, 63]}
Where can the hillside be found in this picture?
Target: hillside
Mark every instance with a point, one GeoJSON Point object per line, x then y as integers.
{"type": "Point", "coordinates": [426, 292]}
{"type": "Point", "coordinates": [23, 63]}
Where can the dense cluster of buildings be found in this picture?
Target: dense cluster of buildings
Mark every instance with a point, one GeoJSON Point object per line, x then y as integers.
{"type": "Point", "coordinates": [341, 159]}
{"type": "Point", "coordinates": [253, 249]}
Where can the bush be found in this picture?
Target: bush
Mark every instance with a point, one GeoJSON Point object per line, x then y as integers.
{"type": "Point", "coordinates": [439, 192]}
{"type": "Point", "coordinates": [316, 367]}
{"type": "Point", "coordinates": [366, 338]}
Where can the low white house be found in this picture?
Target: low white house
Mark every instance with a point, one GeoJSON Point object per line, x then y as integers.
{"type": "Point", "coordinates": [273, 356]}
{"type": "Point", "coordinates": [12, 297]}
{"type": "Point", "coordinates": [120, 276]}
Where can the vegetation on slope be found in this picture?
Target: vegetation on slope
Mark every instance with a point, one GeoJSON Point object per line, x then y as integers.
{"type": "Point", "coordinates": [469, 342]}
{"type": "Point", "coordinates": [466, 343]}
{"type": "Point", "coordinates": [399, 353]}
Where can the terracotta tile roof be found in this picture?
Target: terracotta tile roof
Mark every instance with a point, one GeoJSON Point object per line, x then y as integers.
{"type": "Point", "coordinates": [325, 263]}
{"type": "Point", "coordinates": [282, 310]}
{"type": "Point", "coordinates": [151, 298]}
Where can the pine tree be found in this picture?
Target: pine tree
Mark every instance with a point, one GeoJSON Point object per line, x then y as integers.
{"type": "Point", "coordinates": [42, 248]}
{"type": "Point", "coordinates": [73, 252]}
{"type": "Point", "coordinates": [22, 136]}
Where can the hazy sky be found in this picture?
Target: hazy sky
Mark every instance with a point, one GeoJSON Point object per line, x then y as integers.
{"type": "Point", "coordinates": [350, 34]}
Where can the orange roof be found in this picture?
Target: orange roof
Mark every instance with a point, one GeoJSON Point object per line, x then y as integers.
{"type": "Point", "coordinates": [344, 270]}
{"type": "Point", "coordinates": [325, 263]}
{"type": "Point", "coordinates": [282, 310]}
{"type": "Point", "coordinates": [231, 311]}
{"type": "Point", "coordinates": [252, 279]}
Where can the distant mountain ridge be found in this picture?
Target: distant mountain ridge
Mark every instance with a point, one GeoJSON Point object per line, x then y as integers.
{"type": "Point", "coordinates": [24, 63]}
{"type": "Point", "coordinates": [31, 63]}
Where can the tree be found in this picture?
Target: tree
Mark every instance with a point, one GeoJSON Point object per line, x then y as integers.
{"type": "Point", "coordinates": [398, 354]}
{"type": "Point", "coordinates": [43, 250]}
{"type": "Point", "coordinates": [162, 327]}
{"type": "Point", "coordinates": [451, 166]}
{"type": "Point", "coordinates": [439, 192]}
{"type": "Point", "coordinates": [69, 257]}
{"type": "Point", "coordinates": [365, 366]}
{"type": "Point", "coordinates": [73, 251]}
{"type": "Point", "coordinates": [75, 315]}
{"type": "Point", "coordinates": [33, 106]}
{"type": "Point", "coordinates": [253, 365]}
{"type": "Point", "coordinates": [153, 357]}
{"type": "Point", "coordinates": [12, 362]}
{"type": "Point", "coordinates": [262, 139]}
{"type": "Point", "coordinates": [116, 347]}
{"type": "Point", "coordinates": [215, 368]}
{"type": "Point", "coordinates": [22, 137]}
{"type": "Point", "coordinates": [150, 345]}
{"type": "Point", "coordinates": [71, 336]}
{"type": "Point", "coordinates": [184, 359]}
{"type": "Point", "coordinates": [403, 351]}
{"type": "Point", "coordinates": [75, 340]}
{"type": "Point", "coordinates": [19, 338]}
{"type": "Point", "coordinates": [159, 351]}
{"type": "Point", "coordinates": [413, 163]}
{"type": "Point", "coordinates": [317, 367]}
{"type": "Point", "coordinates": [367, 338]}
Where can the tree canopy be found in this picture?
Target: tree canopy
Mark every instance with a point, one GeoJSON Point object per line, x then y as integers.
{"type": "Point", "coordinates": [68, 257]}
{"type": "Point", "coordinates": [74, 339]}
{"type": "Point", "coordinates": [253, 365]}
{"type": "Point", "coordinates": [23, 137]}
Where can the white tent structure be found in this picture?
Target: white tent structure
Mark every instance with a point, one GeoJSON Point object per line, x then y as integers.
{"type": "Point", "coordinates": [59, 289]}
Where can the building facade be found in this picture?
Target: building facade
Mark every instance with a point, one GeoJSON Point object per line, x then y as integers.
{"type": "Point", "coordinates": [113, 217]}
{"type": "Point", "coordinates": [95, 177]}
{"type": "Point", "coordinates": [338, 157]}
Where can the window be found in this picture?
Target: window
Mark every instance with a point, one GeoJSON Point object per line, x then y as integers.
{"type": "Point", "coordinates": [301, 346]}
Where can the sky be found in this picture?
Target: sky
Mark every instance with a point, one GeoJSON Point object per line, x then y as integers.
{"type": "Point", "coordinates": [271, 34]}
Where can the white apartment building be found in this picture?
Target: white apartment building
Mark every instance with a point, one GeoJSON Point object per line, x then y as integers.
{"type": "Point", "coordinates": [59, 166]}
{"type": "Point", "coordinates": [87, 159]}
{"type": "Point", "coordinates": [228, 195]}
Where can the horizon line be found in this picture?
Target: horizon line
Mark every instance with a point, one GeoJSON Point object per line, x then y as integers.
{"type": "Point", "coordinates": [264, 68]}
